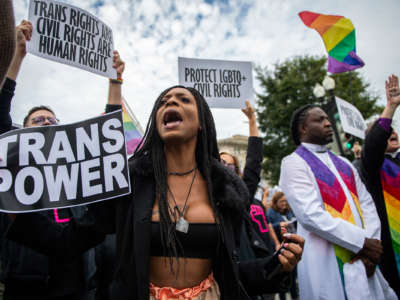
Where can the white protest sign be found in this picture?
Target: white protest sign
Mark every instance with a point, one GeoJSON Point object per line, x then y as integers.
{"type": "Point", "coordinates": [351, 118]}
{"type": "Point", "coordinates": [224, 84]}
{"type": "Point", "coordinates": [72, 36]}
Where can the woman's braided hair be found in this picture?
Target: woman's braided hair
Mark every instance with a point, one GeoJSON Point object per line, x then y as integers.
{"type": "Point", "coordinates": [206, 152]}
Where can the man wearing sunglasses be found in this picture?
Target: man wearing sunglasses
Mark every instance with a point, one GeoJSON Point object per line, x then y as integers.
{"type": "Point", "coordinates": [40, 116]}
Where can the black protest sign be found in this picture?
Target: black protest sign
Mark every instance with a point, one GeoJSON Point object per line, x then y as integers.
{"type": "Point", "coordinates": [60, 166]}
{"type": "Point", "coordinates": [69, 35]}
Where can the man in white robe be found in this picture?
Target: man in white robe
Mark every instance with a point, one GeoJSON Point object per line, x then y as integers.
{"type": "Point", "coordinates": [318, 271]}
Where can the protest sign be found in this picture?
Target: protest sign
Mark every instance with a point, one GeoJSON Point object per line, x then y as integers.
{"type": "Point", "coordinates": [61, 166]}
{"type": "Point", "coordinates": [351, 119]}
{"type": "Point", "coordinates": [224, 84]}
{"type": "Point", "coordinates": [72, 36]}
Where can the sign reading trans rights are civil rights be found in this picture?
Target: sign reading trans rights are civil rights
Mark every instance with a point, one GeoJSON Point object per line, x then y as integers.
{"type": "Point", "coordinates": [61, 166]}
{"type": "Point", "coordinates": [224, 84]}
{"type": "Point", "coordinates": [72, 36]}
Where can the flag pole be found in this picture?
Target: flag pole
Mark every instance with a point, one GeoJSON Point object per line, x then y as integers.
{"type": "Point", "coordinates": [132, 115]}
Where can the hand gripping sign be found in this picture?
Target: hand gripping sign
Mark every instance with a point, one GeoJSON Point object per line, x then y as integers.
{"type": "Point", "coordinates": [72, 36]}
{"type": "Point", "coordinates": [224, 84]}
{"type": "Point", "coordinates": [61, 166]}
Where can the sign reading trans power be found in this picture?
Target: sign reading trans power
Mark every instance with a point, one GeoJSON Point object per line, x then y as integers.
{"type": "Point", "coordinates": [72, 36]}
{"type": "Point", "coordinates": [351, 118]}
{"type": "Point", "coordinates": [61, 166]}
{"type": "Point", "coordinates": [224, 84]}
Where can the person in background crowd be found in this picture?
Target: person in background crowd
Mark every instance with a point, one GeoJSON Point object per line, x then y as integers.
{"type": "Point", "coordinates": [380, 166]}
{"type": "Point", "coordinates": [27, 273]}
{"type": "Point", "coordinates": [338, 227]}
{"type": "Point", "coordinates": [357, 156]}
{"type": "Point", "coordinates": [251, 176]}
{"type": "Point", "coordinates": [281, 216]}
{"type": "Point", "coordinates": [7, 37]}
{"type": "Point", "coordinates": [264, 201]}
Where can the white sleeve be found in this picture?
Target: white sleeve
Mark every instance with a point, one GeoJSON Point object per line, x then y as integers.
{"type": "Point", "coordinates": [371, 219]}
{"type": "Point", "coordinates": [301, 190]}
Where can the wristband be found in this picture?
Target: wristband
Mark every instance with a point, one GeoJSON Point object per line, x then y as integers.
{"type": "Point", "coordinates": [118, 80]}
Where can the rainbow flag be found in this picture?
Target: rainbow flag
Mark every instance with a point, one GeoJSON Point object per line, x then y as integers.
{"type": "Point", "coordinates": [339, 38]}
{"type": "Point", "coordinates": [390, 179]}
{"type": "Point", "coordinates": [133, 132]}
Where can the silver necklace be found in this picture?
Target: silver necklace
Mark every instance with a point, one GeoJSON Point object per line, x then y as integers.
{"type": "Point", "coordinates": [181, 225]}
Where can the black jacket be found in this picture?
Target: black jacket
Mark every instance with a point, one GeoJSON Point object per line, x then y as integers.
{"type": "Point", "coordinates": [255, 241]}
{"type": "Point", "coordinates": [372, 158]}
{"type": "Point", "coordinates": [25, 270]}
{"type": "Point", "coordinates": [251, 177]}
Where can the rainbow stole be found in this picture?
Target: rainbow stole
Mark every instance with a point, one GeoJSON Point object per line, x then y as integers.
{"type": "Point", "coordinates": [332, 194]}
{"type": "Point", "coordinates": [390, 179]}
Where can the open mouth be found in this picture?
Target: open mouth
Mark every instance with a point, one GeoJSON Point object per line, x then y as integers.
{"type": "Point", "coordinates": [171, 119]}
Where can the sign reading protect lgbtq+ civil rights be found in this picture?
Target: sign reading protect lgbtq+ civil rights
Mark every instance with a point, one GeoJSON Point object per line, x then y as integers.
{"type": "Point", "coordinates": [72, 36]}
{"type": "Point", "coordinates": [224, 84]}
{"type": "Point", "coordinates": [351, 118]}
{"type": "Point", "coordinates": [61, 166]}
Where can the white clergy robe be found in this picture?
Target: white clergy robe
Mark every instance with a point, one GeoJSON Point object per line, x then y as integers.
{"type": "Point", "coordinates": [318, 271]}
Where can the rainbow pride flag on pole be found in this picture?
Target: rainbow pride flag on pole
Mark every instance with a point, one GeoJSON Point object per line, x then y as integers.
{"type": "Point", "coordinates": [339, 37]}
{"type": "Point", "coordinates": [132, 128]}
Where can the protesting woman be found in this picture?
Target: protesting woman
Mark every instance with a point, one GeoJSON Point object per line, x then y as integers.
{"type": "Point", "coordinates": [178, 231]}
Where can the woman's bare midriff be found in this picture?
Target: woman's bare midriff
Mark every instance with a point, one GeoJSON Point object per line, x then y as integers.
{"type": "Point", "coordinates": [192, 271]}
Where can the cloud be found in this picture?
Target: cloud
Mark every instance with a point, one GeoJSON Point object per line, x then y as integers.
{"type": "Point", "coordinates": [151, 34]}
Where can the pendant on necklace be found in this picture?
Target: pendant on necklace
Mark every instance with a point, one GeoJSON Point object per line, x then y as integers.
{"type": "Point", "coordinates": [182, 225]}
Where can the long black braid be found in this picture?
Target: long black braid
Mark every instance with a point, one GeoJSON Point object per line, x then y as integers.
{"type": "Point", "coordinates": [206, 152]}
{"type": "Point", "coordinates": [297, 120]}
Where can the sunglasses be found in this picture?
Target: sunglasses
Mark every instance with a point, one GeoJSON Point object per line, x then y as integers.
{"type": "Point", "coordinates": [41, 119]}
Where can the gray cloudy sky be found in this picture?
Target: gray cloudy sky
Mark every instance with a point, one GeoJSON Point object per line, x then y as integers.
{"type": "Point", "coordinates": [151, 34]}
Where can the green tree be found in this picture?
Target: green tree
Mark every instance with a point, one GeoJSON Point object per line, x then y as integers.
{"type": "Point", "coordinates": [290, 85]}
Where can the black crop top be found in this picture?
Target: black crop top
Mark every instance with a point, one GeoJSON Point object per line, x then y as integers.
{"type": "Point", "coordinates": [199, 242]}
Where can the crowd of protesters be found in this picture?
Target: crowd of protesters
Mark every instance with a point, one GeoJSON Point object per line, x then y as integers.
{"type": "Point", "coordinates": [193, 228]}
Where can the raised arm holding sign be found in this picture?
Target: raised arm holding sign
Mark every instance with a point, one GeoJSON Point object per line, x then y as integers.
{"type": "Point", "coordinates": [23, 263]}
{"type": "Point", "coordinates": [23, 35]}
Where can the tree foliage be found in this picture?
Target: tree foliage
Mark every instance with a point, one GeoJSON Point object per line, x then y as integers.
{"type": "Point", "coordinates": [290, 85]}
